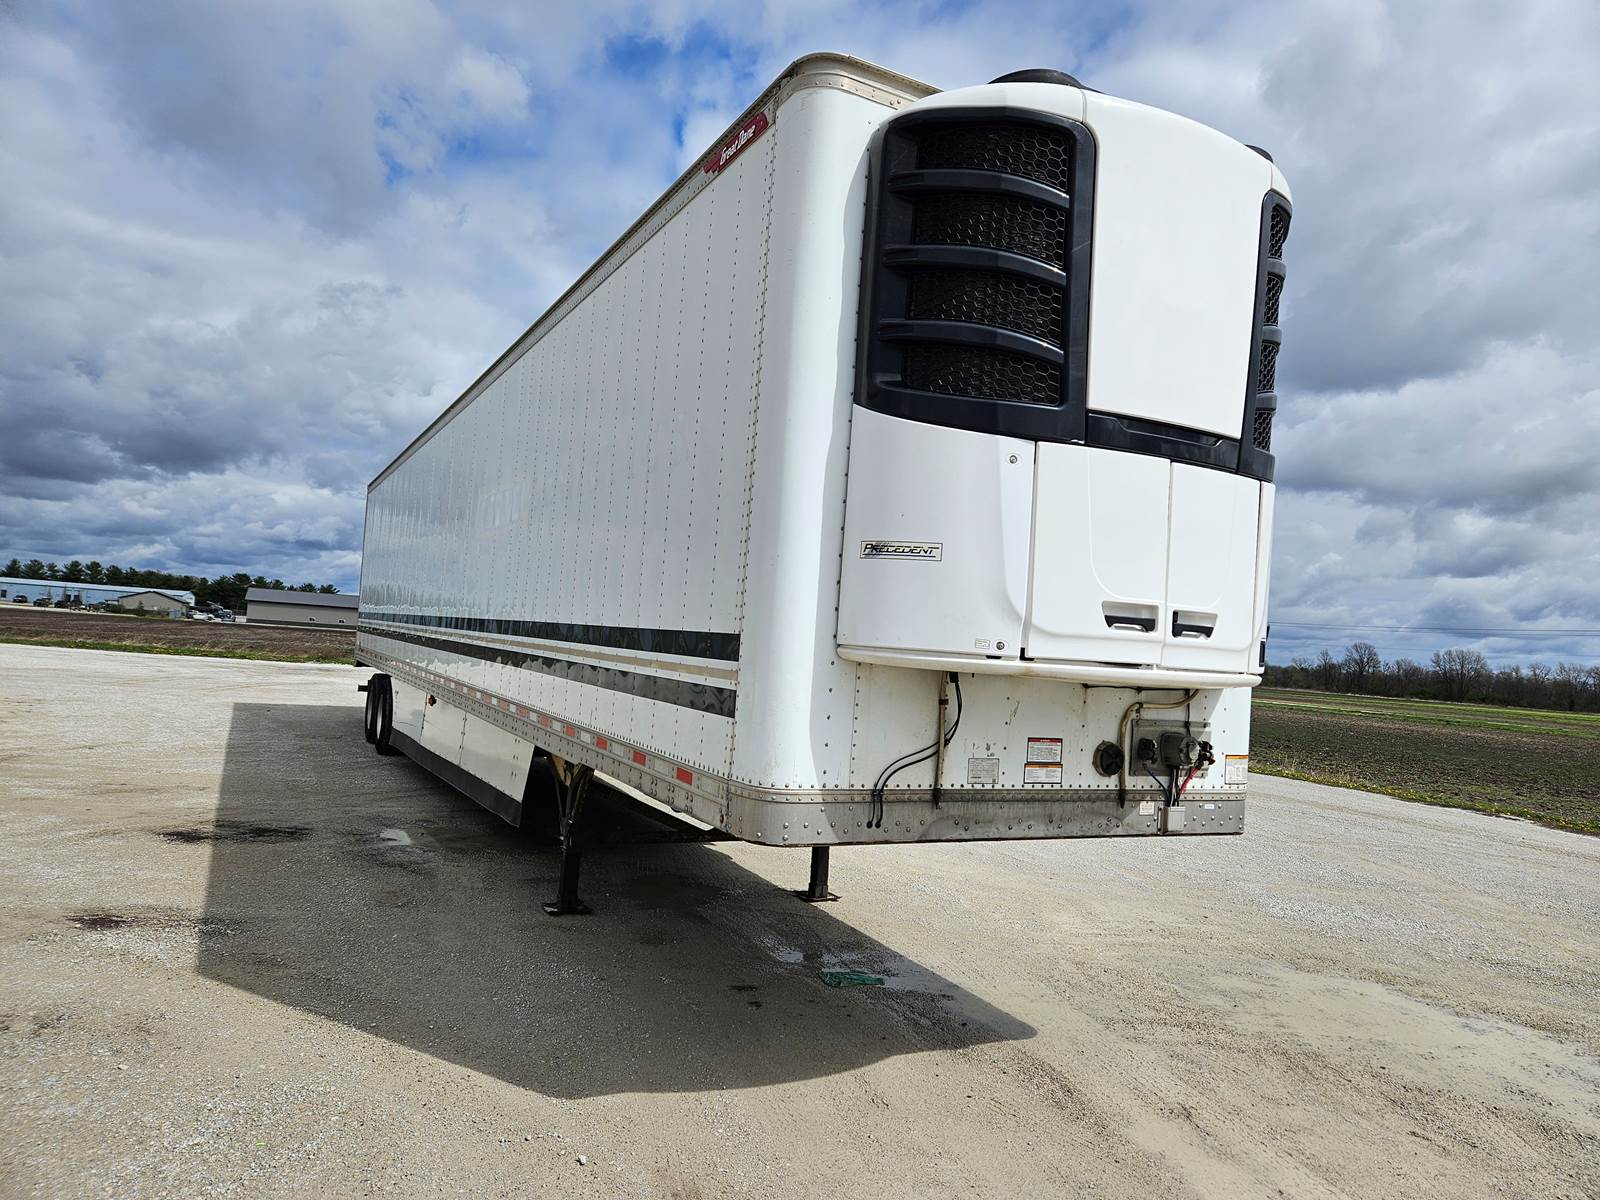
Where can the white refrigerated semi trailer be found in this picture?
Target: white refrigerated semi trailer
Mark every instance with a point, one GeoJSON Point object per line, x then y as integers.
{"type": "Point", "coordinates": [903, 474]}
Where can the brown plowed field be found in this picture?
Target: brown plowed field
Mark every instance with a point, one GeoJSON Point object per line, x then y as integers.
{"type": "Point", "coordinates": [157, 635]}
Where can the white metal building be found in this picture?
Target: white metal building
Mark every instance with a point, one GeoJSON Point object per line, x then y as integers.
{"type": "Point", "coordinates": [273, 606]}
{"type": "Point", "coordinates": [86, 593]}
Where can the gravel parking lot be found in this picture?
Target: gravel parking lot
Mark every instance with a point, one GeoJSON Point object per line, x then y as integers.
{"type": "Point", "coordinates": [240, 955]}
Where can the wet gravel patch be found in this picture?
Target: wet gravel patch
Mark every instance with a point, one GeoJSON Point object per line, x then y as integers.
{"type": "Point", "coordinates": [227, 831]}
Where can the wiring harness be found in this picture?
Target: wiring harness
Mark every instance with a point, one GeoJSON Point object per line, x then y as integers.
{"type": "Point", "coordinates": [875, 814]}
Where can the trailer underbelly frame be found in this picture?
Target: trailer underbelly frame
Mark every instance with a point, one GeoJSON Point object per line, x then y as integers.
{"type": "Point", "coordinates": [802, 817]}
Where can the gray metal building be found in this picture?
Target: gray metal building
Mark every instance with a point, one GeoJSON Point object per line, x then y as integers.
{"type": "Point", "coordinates": [270, 606]}
{"type": "Point", "coordinates": [153, 602]}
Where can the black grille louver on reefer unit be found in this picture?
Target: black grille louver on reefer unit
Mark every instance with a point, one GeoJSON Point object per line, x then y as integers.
{"type": "Point", "coordinates": [976, 275]}
{"type": "Point", "coordinates": [1261, 389]}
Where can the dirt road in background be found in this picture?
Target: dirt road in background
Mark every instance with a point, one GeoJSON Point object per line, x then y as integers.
{"type": "Point", "coordinates": [242, 955]}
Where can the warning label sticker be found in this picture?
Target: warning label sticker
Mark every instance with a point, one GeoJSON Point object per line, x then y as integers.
{"type": "Point", "coordinates": [1236, 769]}
{"type": "Point", "coordinates": [1044, 750]}
{"type": "Point", "coordinates": [1041, 773]}
{"type": "Point", "coordinates": [983, 770]}
{"type": "Point", "coordinates": [1147, 808]}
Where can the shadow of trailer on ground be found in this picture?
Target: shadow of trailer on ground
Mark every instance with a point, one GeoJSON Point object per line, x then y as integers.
{"type": "Point", "coordinates": [363, 890]}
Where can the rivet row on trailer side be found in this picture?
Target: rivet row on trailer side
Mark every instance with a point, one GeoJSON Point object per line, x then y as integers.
{"type": "Point", "coordinates": [903, 474]}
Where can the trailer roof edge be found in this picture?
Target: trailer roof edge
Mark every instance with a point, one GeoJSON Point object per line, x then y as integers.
{"type": "Point", "coordinates": [807, 71]}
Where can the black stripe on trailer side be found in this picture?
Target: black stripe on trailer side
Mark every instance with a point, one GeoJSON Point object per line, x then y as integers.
{"type": "Point", "coordinates": [685, 643]}
{"type": "Point", "coordinates": [702, 697]}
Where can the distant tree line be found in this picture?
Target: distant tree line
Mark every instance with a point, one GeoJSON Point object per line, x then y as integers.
{"type": "Point", "coordinates": [226, 590]}
{"type": "Point", "coordinates": [1459, 675]}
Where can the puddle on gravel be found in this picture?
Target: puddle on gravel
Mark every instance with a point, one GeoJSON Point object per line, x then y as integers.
{"type": "Point", "coordinates": [898, 974]}
{"type": "Point", "coordinates": [114, 922]}
{"type": "Point", "coordinates": [101, 921]}
{"type": "Point", "coordinates": [393, 849]}
{"type": "Point", "coordinates": [231, 831]}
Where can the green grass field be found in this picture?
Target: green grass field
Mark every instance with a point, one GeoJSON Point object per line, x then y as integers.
{"type": "Point", "coordinates": [1540, 765]}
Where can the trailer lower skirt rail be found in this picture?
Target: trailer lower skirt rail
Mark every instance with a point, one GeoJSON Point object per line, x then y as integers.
{"type": "Point", "coordinates": [794, 818]}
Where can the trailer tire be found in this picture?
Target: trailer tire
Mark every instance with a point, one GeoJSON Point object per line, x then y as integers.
{"type": "Point", "coordinates": [370, 727]}
{"type": "Point", "coordinates": [385, 726]}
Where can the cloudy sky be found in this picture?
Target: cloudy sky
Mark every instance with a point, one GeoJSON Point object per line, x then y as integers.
{"type": "Point", "coordinates": [247, 251]}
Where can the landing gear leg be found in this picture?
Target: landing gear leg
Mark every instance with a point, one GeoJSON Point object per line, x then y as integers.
{"type": "Point", "coordinates": [817, 890]}
{"type": "Point", "coordinates": [572, 788]}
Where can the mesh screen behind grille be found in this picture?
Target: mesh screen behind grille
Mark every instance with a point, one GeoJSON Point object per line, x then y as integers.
{"type": "Point", "coordinates": [1279, 232]}
{"type": "Point", "coordinates": [987, 298]}
{"type": "Point", "coordinates": [1262, 438]}
{"type": "Point", "coordinates": [1267, 376]}
{"type": "Point", "coordinates": [1032, 153]}
{"type": "Point", "coordinates": [1274, 298]}
{"type": "Point", "coordinates": [988, 374]}
{"type": "Point", "coordinates": [955, 354]}
{"type": "Point", "coordinates": [1003, 222]}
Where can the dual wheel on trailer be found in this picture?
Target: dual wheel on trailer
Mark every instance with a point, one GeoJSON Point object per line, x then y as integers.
{"type": "Point", "coordinates": [380, 713]}
{"type": "Point", "coordinates": [557, 787]}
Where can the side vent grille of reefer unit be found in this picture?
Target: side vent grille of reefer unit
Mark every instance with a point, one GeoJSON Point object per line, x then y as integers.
{"type": "Point", "coordinates": [976, 274]}
{"type": "Point", "coordinates": [1261, 393]}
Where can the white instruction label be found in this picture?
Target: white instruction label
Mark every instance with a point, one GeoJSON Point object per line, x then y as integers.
{"type": "Point", "coordinates": [1044, 750]}
{"type": "Point", "coordinates": [982, 770]}
{"type": "Point", "coordinates": [1147, 808]}
{"type": "Point", "coordinates": [1041, 773]}
{"type": "Point", "coordinates": [1236, 769]}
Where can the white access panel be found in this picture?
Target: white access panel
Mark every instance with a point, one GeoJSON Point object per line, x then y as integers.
{"type": "Point", "coordinates": [1211, 570]}
{"type": "Point", "coordinates": [497, 757]}
{"type": "Point", "coordinates": [409, 710]}
{"type": "Point", "coordinates": [1100, 537]}
{"type": "Point", "coordinates": [1177, 229]}
{"type": "Point", "coordinates": [936, 538]}
{"type": "Point", "coordinates": [442, 728]}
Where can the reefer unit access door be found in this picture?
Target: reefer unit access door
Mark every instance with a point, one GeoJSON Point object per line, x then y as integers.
{"type": "Point", "coordinates": [1060, 448]}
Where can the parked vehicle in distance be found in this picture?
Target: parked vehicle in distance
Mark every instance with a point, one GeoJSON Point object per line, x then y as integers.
{"type": "Point", "coordinates": [819, 509]}
{"type": "Point", "coordinates": [19, 600]}
{"type": "Point", "coordinates": [42, 602]}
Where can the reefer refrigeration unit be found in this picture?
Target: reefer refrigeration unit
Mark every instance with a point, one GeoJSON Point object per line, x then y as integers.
{"type": "Point", "coordinates": [903, 474]}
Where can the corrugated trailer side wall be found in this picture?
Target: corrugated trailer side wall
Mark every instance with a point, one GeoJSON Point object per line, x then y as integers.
{"type": "Point", "coordinates": [597, 487]}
